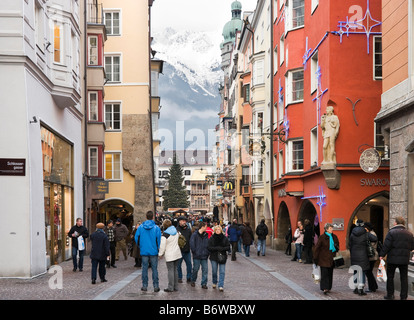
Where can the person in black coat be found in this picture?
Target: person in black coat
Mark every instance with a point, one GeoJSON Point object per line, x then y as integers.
{"type": "Point", "coordinates": [99, 252]}
{"type": "Point", "coordinates": [218, 244]}
{"type": "Point", "coordinates": [185, 229]}
{"type": "Point", "coordinates": [398, 244]}
{"type": "Point", "coordinates": [308, 241]}
{"type": "Point", "coordinates": [74, 233]}
{"type": "Point", "coordinates": [359, 254]}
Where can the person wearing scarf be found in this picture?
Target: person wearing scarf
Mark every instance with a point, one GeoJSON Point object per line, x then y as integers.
{"type": "Point", "coordinates": [325, 250]}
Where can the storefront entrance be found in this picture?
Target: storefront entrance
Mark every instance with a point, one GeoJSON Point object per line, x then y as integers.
{"type": "Point", "coordinates": [58, 195]}
{"type": "Point", "coordinates": [113, 209]}
{"type": "Point", "coordinates": [374, 209]}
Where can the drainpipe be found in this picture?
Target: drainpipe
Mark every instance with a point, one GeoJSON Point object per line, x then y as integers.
{"type": "Point", "coordinates": [271, 112]}
{"type": "Point", "coordinates": [85, 174]}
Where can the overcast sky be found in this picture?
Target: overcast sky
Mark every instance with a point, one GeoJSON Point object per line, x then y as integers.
{"type": "Point", "coordinates": [198, 15]}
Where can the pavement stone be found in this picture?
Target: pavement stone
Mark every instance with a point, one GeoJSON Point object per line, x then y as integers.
{"type": "Point", "coordinates": [265, 278]}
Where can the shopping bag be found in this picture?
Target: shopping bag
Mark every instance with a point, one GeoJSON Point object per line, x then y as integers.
{"type": "Point", "coordinates": [316, 273]}
{"type": "Point", "coordinates": [81, 243]}
{"type": "Point", "coordinates": [381, 273]}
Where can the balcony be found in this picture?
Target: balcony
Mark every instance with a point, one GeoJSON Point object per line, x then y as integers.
{"type": "Point", "coordinates": [94, 12]}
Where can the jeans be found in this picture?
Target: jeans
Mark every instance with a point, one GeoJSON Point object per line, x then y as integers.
{"type": "Point", "coordinates": [246, 250]}
{"type": "Point", "coordinates": [204, 270]}
{"type": "Point", "coordinates": [261, 246]}
{"type": "Point", "coordinates": [102, 269]}
{"type": "Point", "coordinates": [74, 258]}
{"type": "Point", "coordinates": [299, 247]}
{"type": "Point", "coordinates": [403, 269]}
{"type": "Point", "coordinates": [172, 275]}
{"type": "Point", "coordinates": [154, 268]}
{"type": "Point", "coordinates": [187, 259]}
{"type": "Point", "coordinates": [221, 268]}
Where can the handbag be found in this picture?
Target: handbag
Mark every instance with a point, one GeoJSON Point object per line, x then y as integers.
{"type": "Point", "coordinates": [221, 257]}
{"type": "Point", "coordinates": [316, 273]}
{"type": "Point", "coordinates": [338, 261]}
{"type": "Point", "coordinates": [370, 248]}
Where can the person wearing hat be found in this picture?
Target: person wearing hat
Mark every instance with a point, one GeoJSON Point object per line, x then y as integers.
{"type": "Point", "coordinates": [185, 229]}
{"type": "Point", "coordinates": [99, 252]}
{"type": "Point", "coordinates": [359, 254]}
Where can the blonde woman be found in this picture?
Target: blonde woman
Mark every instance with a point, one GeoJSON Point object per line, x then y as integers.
{"type": "Point", "coordinates": [218, 245]}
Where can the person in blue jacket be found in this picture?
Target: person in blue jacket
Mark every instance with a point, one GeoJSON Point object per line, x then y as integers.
{"type": "Point", "coordinates": [234, 234]}
{"type": "Point", "coordinates": [148, 238]}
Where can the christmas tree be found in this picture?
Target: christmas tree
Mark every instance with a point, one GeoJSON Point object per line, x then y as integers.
{"type": "Point", "coordinates": [176, 195]}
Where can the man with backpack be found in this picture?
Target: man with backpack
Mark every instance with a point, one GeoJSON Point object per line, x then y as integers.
{"type": "Point", "coordinates": [261, 232]}
{"type": "Point", "coordinates": [185, 229]}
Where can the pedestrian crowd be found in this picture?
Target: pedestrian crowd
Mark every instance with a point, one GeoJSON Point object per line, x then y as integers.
{"type": "Point", "coordinates": [188, 244]}
{"type": "Point", "coordinates": [366, 251]}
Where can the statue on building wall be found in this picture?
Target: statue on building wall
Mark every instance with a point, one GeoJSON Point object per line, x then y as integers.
{"type": "Point", "coordinates": [330, 129]}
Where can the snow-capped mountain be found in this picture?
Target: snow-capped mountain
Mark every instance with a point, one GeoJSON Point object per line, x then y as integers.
{"type": "Point", "coordinates": [195, 56]}
{"type": "Point", "coordinates": [188, 87]}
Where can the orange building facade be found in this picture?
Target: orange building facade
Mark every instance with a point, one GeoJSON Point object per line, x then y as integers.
{"type": "Point", "coordinates": [328, 53]}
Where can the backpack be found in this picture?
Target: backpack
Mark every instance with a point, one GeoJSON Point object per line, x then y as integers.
{"type": "Point", "coordinates": [181, 241]}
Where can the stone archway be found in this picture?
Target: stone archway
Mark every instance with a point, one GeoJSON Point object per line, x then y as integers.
{"type": "Point", "coordinates": [374, 209]}
{"type": "Point", "coordinates": [114, 208]}
{"type": "Point", "coordinates": [283, 225]}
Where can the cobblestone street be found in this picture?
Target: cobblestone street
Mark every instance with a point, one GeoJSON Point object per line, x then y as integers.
{"type": "Point", "coordinates": [273, 277]}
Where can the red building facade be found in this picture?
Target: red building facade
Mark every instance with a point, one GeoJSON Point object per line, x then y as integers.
{"type": "Point", "coordinates": [328, 53]}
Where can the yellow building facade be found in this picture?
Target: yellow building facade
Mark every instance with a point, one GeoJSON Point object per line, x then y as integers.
{"type": "Point", "coordinates": [128, 162]}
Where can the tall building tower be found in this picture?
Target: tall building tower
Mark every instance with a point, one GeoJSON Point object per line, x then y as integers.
{"type": "Point", "coordinates": [128, 159]}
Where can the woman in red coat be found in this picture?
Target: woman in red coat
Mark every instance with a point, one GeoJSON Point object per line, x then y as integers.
{"type": "Point", "coordinates": [325, 251]}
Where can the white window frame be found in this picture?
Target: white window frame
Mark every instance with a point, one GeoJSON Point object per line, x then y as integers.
{"type": "Point", "coordinates": [375, 53]}
{"type": "Point", "coordinates": [289, 158]}
{"type": "Point", "coordinates": [40, 26]}
{"type": "Point", "coordinates": [93, 172]}
{"type": "Point", "coordinates": [111, 12]}
{"type": "Point", "coordinates": [111, 126]}
{"type": "Point", "coordinates": [111, 72]}
{"type": "Point", "coordinates": [314, 5]}
{"type": "Point", "coordinates": [282, 50]}
{"type": "Point", "coordinates": [275, 60]}
{"type": "Point", "coordinates": [314, 146]}
{"type": "Point", "coordinates": [290, 86]}
{"type": "Point", "coordinates": [281, 162]}
{"type": "Point", "coordinates": [258, 72]}
{"type": "Point", "coordinates": [90, 47]}
{"type": "Point", "coordinates": [314, 68]}
{"type": "Point", "coordinates": [289, 15]}
{"type": "Point", "coordinates": [113, 171]}
{"type": "Point", "coordinates": [61, 43]}
{"type": "Point", "coordinates": [90, 112]}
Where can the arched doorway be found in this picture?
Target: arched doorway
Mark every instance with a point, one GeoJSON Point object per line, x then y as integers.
{"type": "Point", "coordinates": [374, 209]}
{"type": "Point", "coordinates": [283, 225]}
{"type": "Point", "coordinates": [112, 209]}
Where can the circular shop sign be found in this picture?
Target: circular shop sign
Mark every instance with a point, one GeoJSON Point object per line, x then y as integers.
{"type": "Point", "coordinates": [370, 160]}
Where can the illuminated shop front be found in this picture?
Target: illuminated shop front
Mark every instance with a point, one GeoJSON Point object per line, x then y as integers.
{"type": "Point", "coordinates": [57, 157]}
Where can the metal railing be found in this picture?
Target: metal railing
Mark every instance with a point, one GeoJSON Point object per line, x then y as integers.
{"type": "Point", "coordinates": [94, 12]}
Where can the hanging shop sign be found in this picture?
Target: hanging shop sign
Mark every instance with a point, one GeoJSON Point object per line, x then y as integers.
{"type": "Point", "coordinates": [102, 187]}
{"type": "Point", "coordinates": [12, 167]}
{"type": "Point", "coordinates": [370, 160]}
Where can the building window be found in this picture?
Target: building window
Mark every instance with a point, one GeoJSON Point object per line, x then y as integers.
{"type": "Point", "coordinates": [294, 85]}
{"type": "Point", "coordinates": [246, 92]}
{"type": "Point", "coordinates": [113, 166]}
{"type": "Point", "coordinates": [93, 162]}
{"type": "Point", "coordinates": [39, 25]}
{"type": "Point", "coordinates": [93, 51]}
{"type": "Point", "coordinates": [282, 50]}
{"type": "Point", "coordinates": [275, 58]}
{"type": "Point", "coordinates": [295, 161]}
{"type": "Point", "coordinates": [112, 23]}
{"type": "Point", "coordinates": [93, 106]}
{"type": "Point", "coordinates": [380, 142]}
{"type": "Point", "coordinates": [58, 43]}
{"type": "Point", "coordinates": [314, 70]}
{"type": "Point", "coordinates": [113, 116]}
{"type": "Point", "coordinates": [314, 147]}
{"type": "Point", "coordinates": [377, 58]}
{"type": "Point", "coordinates": [258, 72]}
{"type": "Point", "coordinates": [315, 4]}
{"type": "Point", "coordinates": [113, 68]}
{"type": "Point", "coordinates": [298, 13]}
{"type": "Point", "coordinates": [281, 163]}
